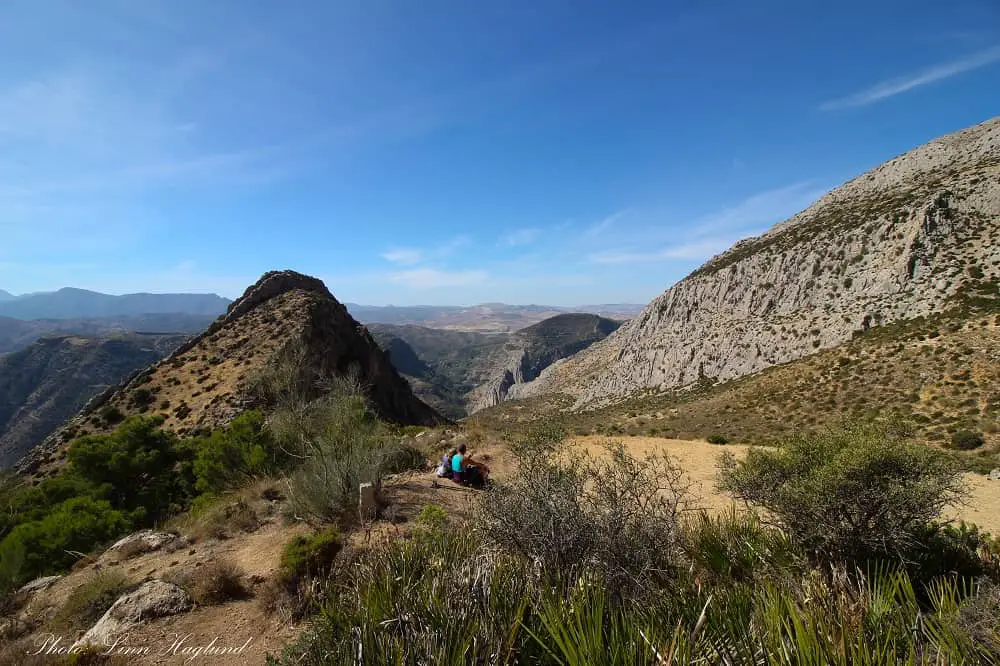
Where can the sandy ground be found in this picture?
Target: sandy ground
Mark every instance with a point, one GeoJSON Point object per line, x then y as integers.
{"type": "Point", "coordinates": [698, 459]}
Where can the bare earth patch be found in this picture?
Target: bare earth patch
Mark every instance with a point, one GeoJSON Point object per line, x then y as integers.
{"type": "Point", "coordinates": [698, 459]}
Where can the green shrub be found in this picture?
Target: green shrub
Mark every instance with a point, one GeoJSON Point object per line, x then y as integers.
{"type": "Point", "coordinates": [140, 464]}
{"type": "Point", "coordinates": [718, 439]}
{"type": "Point", "coordinates": [236, 454]}
{"type": "Point", "coordinates": [111, 415]}
{"type": "Point", "coordinates": [966, 440]}
{"type": "Point", "coordinates": [736, 547]}
{"type": "Point", "coordinates": [75, 526]}
{"type": "Point", "coordinates": [309, 556]}
{"type": "Point", "coordinates": [142, 398]}
{"type": "Point", "coordinates": [340, 444]}
{"type": "Point", "coordinates": [855, 494]}
{"type": "Point", "coordinates": [433, 516]}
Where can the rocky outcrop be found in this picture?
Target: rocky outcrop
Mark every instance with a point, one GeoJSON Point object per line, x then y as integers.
{"type": "Point", "coordinates": [536, 348]}
{"type": "Point", "coordinates": [153, 599]}
{"type": "Point", "coordinates": [914, 236]}
{"type": "Point", "coordinates": [146, 541]}
{"type": "Point", "coordinates": [39, 584]}
{"type": "Point", "coordinates": [271, 284]}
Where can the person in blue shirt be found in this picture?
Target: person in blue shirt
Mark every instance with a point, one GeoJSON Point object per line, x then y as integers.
{"type": "Point", "coordinates": [465, 469]}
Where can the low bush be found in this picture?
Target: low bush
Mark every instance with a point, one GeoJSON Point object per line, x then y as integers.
{"type": "Point", "coordinates": [736, 547]}
{"type": "Point", "coordinates": [718, 439]}
{"type": "Point", "coordinates": [966, 440]}
{"type": "Point", "coordinates": [339, 444]}
{"type": "Point", "coordinates": [298, 586]}
{"type": "Point", "coordinates": [309, 556]}
{"type": "Point", "coordinates": [220, 518]}
{"type": "Point", "coordinates": [214, 583]}
{"type": "Point", "coordinates": [614, 514]}
{"type": "Point", "coordinates": [90, 600]}
{"type": "Point", "coordinates": [454, 601]}
{"type": "Point", "coordinates": [857, 494]}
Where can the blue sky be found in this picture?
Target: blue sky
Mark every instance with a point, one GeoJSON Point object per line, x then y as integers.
{"type": "Point", "coordinates": [452, 152]}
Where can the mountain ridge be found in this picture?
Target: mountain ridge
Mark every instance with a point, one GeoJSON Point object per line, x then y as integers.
{"type": "Point", "coordinates": [207, 381]}
{"type": "Point", "coordinates": [906, 239]}
{"type": "Point", "coordinates": [75, 303]}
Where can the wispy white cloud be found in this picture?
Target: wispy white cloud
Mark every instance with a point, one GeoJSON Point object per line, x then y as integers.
{"type": "Point", "coordinates": [710, 234]}
{"type": "Point", "coordinates": [701, 249]}
{"type": "Point", "coordinates": [520, 237]}
{"type": "Point", "coordinates": [411, 256]}
{"type": "Point", "coordinates": [432, 278]}
{"type": "Point", "coordinates": [407, 256]}
{"type": "Point", "coordinates": [893, 87]}
{"type": "Point", "coordinates": [763, 208]}
{"type": "Point", "coordinates": [599, 227]}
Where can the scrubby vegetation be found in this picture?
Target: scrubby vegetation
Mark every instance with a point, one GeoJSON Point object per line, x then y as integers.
{"type": "Point", "coordinates": [727, 589]}
{"type": "Point", "coordinates": [134, 477]}
{"type": "Point", "coordinates": [965, 440]}
{"type": "Point", "coordinates": [939, 372]}
{"type": "Point", "coordinates": [859, 495]}
{"type": "Point", "coordinates": [215, 583]}
{"type": "Point", "coordinates": [89, 601]}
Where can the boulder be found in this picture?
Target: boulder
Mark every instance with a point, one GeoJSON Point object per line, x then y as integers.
{"type": "Point", "coordinates": [153, 599]}
{"type": "Point", "coordinates": [38, 584]}
{"type": "Point", "coordinates": [995, 475]}
{"type": "Point", "coordinates": [146, 541]}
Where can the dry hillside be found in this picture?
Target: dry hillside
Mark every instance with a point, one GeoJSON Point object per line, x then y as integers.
{"type": "Point", "coordinates": [941, 372]}
{"type": "Point", "coordinates": [49, 381]}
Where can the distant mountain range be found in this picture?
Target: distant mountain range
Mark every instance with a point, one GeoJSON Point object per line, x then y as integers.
{"type": "Point", "coordinates": [16, 334]}
{"type": "Point", "coordinates": [72, 303]}
{"type": "Point", "coordinates": [483, 318]}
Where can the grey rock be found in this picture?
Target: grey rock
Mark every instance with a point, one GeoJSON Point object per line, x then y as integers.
{"type": "Point", "coordinates": [153, 599]}
{"type": "Point", "coordinates": [39, 584]}
{"type": "Point", "coordinates": [995, 475]}
{"type": "Point", "coordinates": [146, 541]}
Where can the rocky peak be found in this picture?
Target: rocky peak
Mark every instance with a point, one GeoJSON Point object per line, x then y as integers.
{"type": "Point", "coordinates": [272, 284]}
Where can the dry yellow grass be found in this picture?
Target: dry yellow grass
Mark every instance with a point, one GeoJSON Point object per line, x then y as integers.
{"type": "Point", "coordinates": [698, 459]}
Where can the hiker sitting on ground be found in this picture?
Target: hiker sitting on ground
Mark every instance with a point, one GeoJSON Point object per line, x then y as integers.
{"type": "Point", "coordinates": [468, 470]}
{"type": "Point", "coordinates": [444, 469]}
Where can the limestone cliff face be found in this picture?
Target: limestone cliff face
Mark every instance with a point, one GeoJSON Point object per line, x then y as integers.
{"type": "Point", "coordinates": [918, 234]}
